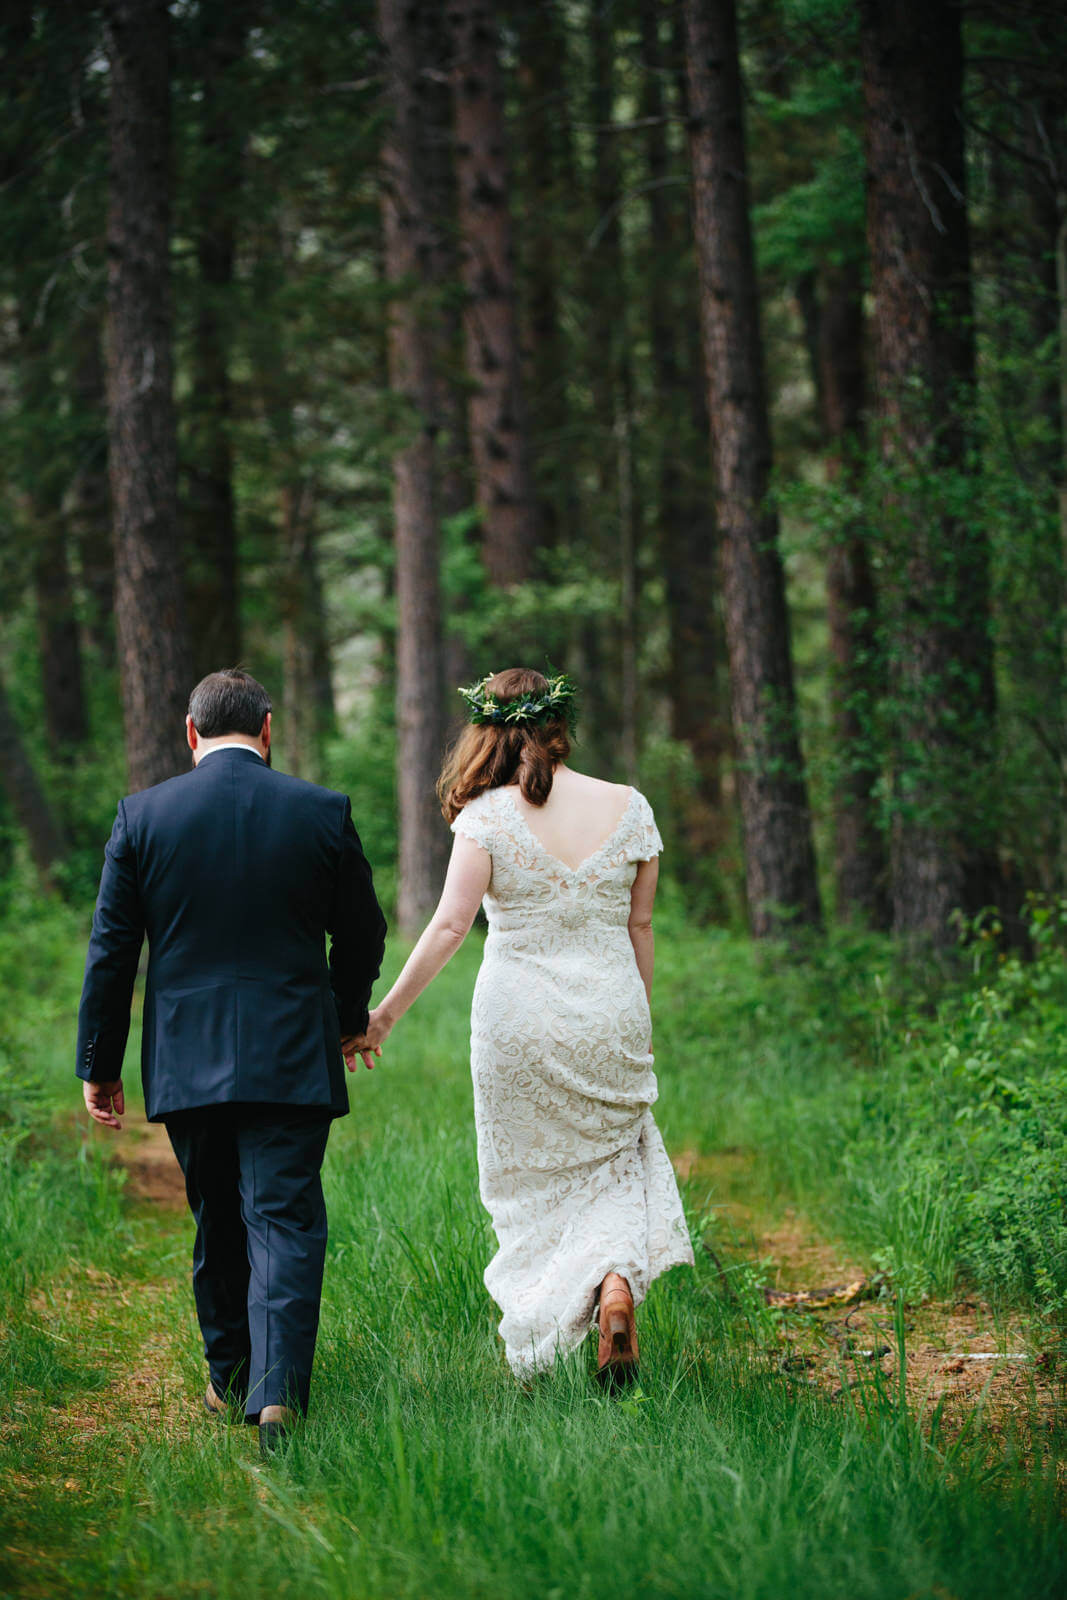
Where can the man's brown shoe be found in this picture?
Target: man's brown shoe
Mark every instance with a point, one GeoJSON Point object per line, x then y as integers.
{"type": "Point", "coordinates": [275, 1430]}
{"type": "Point", "coordinates": [214, 1403]}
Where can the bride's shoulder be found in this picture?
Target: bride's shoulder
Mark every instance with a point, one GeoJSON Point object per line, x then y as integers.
{"type": "Point", "coordinates": [599, 788]}
{"type": "Point", "coordinates": [622, 800]}
{"type": "Point", "coordinates": [478, 820]}
{"type": "Point", "coordinates": [472, 812]}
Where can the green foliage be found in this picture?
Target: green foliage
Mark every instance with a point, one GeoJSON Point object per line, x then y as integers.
{"type": "Point", "coordinates": [41, 959]}
{"type": "Point", "coordinates": [925, 1113]}
{"type": "Point", "coordinates": [313, 425]}
{"type": "Point", "coordinates": [57, 1196]}
{"type": "Point", "coordinates": [364, 768]}
{"type": "Point", "coordinates": [554, 704]}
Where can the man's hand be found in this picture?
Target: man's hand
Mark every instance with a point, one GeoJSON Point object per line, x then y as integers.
{"type": "Point", "coordinates": [105, 1102]}
{"type": "Point", "coordinates": [367, 1044]}
{"type": "Point", "coordinates": [355, 1044]}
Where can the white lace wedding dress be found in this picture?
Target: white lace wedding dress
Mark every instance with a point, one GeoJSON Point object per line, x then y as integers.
{"type": "Point", "coordinates": [572, 1168]}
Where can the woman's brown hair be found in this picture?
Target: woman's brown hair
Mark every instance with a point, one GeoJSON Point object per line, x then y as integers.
{"type": "Point", "coordinates": [487, 754]}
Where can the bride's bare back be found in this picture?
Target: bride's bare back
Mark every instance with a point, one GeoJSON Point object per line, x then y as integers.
{"type": "Point", "coordinates": [578, 817]}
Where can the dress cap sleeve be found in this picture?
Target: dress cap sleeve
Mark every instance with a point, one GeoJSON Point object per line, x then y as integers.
{"type": "Point", "coordinates": [477, 821]}
{"type": "Point", "coordinates": [646, 837]}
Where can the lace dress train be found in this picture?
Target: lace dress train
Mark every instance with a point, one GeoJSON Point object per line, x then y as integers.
{"type": "Point", "coordinates": [572, 1168]}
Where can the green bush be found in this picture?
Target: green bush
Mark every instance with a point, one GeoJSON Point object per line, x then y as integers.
{"type": "Point", "coordinates": [949, 1155]}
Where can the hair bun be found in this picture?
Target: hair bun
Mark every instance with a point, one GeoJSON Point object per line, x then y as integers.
{"type": "Point", "coordinates": [518, 732]}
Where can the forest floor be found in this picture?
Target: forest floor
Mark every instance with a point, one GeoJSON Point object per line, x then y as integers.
{"type": "Point", "coordinates": [833, 1329]}
{"type": "Point", "coordinates": [779, 1443]}
{"type": "Point", "coordinates": [836, 1330]}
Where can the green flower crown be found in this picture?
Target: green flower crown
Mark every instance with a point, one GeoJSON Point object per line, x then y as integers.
{"type": "Point", "coordinates": [554, 703]}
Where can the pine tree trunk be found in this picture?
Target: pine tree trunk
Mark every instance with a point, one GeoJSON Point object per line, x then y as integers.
{"type": "Point", "coordinates": [59, 647]}
{"type": "Point", "coordinates": [307, 695]}
{"type": "Point", "coordinates": [496, 412]}
{"type": "Point", "coordinates": [454, 490]}
{"type": "Point", "coordinates": [88, 508]}
{"type": "Point", "coordinates": [1061, 307]}
{"type": "Point", "coordinates": [779, 855]}
{"type": "Point", "coordinates": [66, 718]}
{"type": "Point", "coordinates": [685, 512]}
{"type": "Point", "coordinates": [615, 514]}
{"type": "Point", "coordinates": [548, 183]}
{"type": "Point", "coordinates": [26, 797]}
{"type": "Point", "coordinates": [213, 576]}
{"type": "Point", "coordinates": [153, 649]}
{"type": "Point", "coordinates": [860, 865]}
{"type": "Point", "coordinates": [943, 846]}
{"type": "Point", "coordinates": [419, 663]}
{"type": "Point", "coordinates": [621, 487]}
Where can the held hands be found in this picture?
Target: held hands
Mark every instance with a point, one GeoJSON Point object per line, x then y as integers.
{"type": "Point", "coordinates": [105, 1102]}
{"type": "Point", "coordinates": [369, 1043]}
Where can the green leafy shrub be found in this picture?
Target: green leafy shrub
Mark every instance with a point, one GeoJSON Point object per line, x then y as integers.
{"type": "Point", "coordinates": [955, 1154]}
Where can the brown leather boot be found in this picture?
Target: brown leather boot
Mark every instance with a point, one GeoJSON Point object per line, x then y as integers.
{"type": "Point", "coordinates": [617, 1351]}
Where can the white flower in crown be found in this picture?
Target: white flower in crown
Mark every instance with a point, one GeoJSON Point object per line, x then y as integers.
{"type": "Point", "coordinates": [556, 700]}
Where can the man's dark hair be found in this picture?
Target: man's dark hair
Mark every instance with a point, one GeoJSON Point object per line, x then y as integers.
{"type": "Point", "coordinates": [230, 701]}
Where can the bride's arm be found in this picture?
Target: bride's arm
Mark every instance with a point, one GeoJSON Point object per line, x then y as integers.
{"type": "Point", "coordinates": [642, 896]}
{"type": "Point", "coordinates": [467, 880]}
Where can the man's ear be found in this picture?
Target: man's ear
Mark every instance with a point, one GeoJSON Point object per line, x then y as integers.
{"type": "Point", "coordinates": [191, 735]}
{"type": "Point", "coordinates": [264, 732]}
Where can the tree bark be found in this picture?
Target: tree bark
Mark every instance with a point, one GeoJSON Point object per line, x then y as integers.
{"type": "Point", "coordinates": [496, 411]}
{"type": "Point", "coordinates": [66, 719]}
{"type": "Point", "coordinates": [59, 647]}
{"type": "Point", "coordinates": [548, 184]}
{"type": "Point", "coordinates": [685, 511]}
{"type": "Point", "coordinates": [943, 850]}
{"type": "Point", "coordinates": [88, 506]}
{"type": "Point", "coordinates": [153, 648]}
{"type": "Point", "coordinates": [779, 856]}
{"type": "Point", "coordinates": [307, 693]}
{"type": "Point", "coordinates": [213, 577]}
{"type": "Point", "coordinates": [419, 656]}
{"type": "Point", "coordinates": [860, 865]}
{"type": "Point", "coordinates": [453, 486]}
{"type": "Point", "coordinates": [27, 799]}
{"type": "Point", "coordinates": [613, 388]}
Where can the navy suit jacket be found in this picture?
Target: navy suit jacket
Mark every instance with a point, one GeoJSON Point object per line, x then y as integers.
{"type": "Point", "coordinates": [236, 874]}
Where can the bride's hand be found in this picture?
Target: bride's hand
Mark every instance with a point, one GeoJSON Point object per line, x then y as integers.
{"type": "Point", "coordinates": [379, 1027]}
{"type": "Point", "coordinates": [367, 1044]}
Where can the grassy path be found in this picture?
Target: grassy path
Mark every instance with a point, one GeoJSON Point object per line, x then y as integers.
{"type": "Point", "coordinates": [766, 1454]}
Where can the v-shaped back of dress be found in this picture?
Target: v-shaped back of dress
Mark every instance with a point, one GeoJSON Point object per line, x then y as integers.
{"type": "Point", "coordinates": [556, 860]}
{"type": "Point", "coordinates": [530, 887]}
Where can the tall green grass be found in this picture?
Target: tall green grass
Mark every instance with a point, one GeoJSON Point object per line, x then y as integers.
{"type": "Point", "coordinates": [424, 1469]}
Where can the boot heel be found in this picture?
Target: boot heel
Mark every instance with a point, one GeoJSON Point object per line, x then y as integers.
{"type": "Point", "coordinates": [617, 1353]}
{"type": "Point", "coordinates": [619, 1333]}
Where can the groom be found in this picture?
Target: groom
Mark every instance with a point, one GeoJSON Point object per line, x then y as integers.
{"type": "Point", "coordinates": [237, 874]}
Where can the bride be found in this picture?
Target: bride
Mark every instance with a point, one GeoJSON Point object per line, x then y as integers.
{"type": "Point", "coordinates": [572, 1168]}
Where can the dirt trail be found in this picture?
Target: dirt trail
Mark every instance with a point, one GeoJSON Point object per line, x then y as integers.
{"type": "Point", "coordinates": [959, 1355]}
{"type": "Point", "coordinates": [142, 1328]}
{"type": "Point", "coordinates": [145, 1151]}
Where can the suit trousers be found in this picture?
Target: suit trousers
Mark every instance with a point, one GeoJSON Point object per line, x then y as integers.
{"type": "Point", "coordinates": [252, 1177]}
